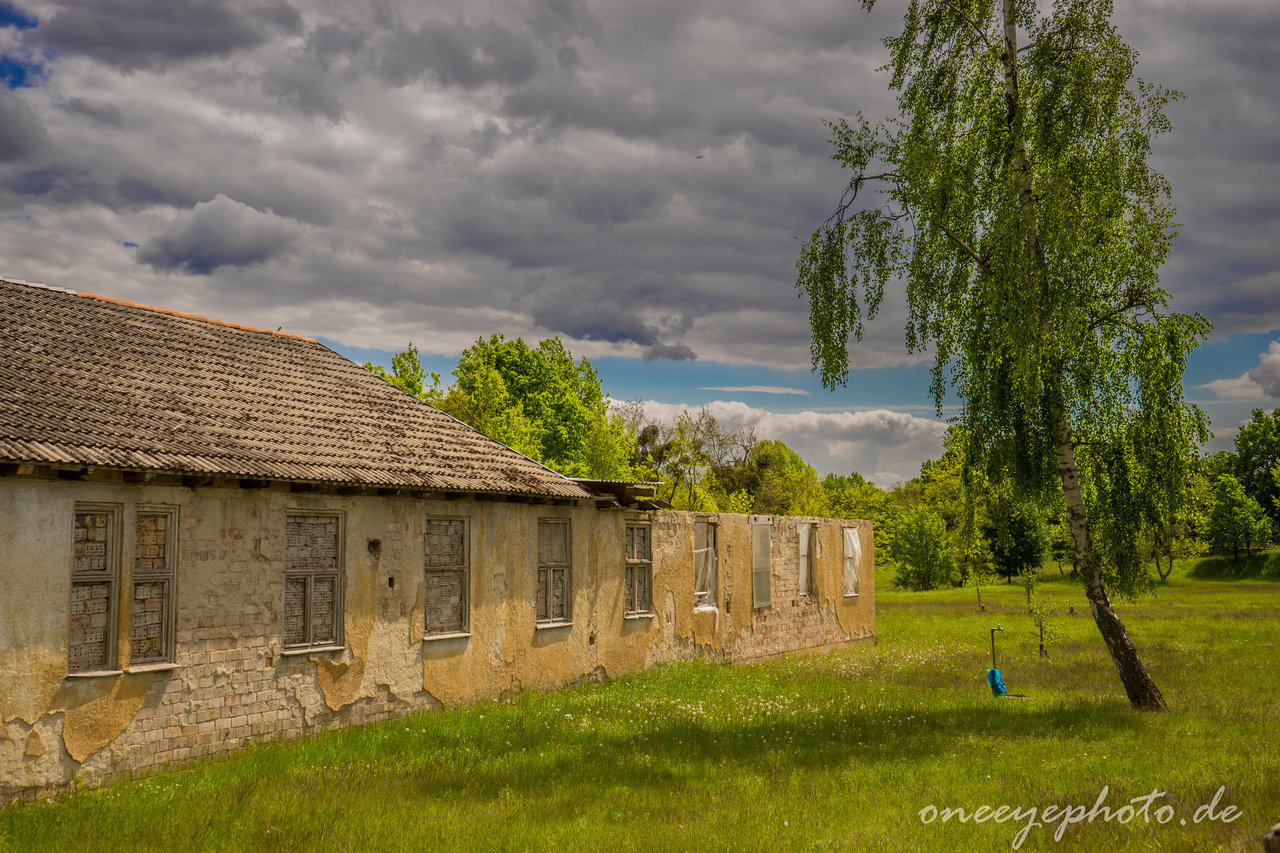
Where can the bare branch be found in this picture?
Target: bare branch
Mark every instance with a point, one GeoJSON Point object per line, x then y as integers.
{"type": "Point", "coordinates": [968, 250]}
{"type": "Point", "coordinates": [962, 16]}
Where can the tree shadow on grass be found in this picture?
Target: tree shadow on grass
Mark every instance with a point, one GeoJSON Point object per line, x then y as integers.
{"type": "Point", "coordinates": [1254, 566]}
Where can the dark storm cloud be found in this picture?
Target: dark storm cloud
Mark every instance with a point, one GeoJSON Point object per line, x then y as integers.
{"type": "Point", "coordinates": [1224, 146]}
{"type": "Point", "coordinates": [138, 34]}
{"type": "Point", "coordinates": [602, 320]}
{"type": "Point", "coordinates": [670, 352]}
{"type": "Point", "coordinates": [458, 54]}
{"type": "Point", "coordinates": [303, 86]}
{"type": "Point", "coordinates": [103, 113]}
{"type": "Point", "coordinates": [21, 133]}
{"type": "Point", "coordinates": [218, 233]}
{"type": "Point", "coordinates": [602, 197]}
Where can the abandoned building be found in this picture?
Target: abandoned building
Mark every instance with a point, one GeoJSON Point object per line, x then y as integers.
{"type": "Point", "coordinates": [212, 534]}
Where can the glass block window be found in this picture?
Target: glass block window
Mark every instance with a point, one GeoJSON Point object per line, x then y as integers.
{"type": "Point", "coordinates": [445, 565]}
{"type": "Point", "coordinates": [761, 564]}
{"type": "Point", "coordinates": [151, 610]}
{"type": "Point", "coordinates": [94, 580]}
{"type": "Point", "coordinates": [805, 533]}
{"type": "Point", "coordinates": [553, 593]}
{"type": "Point", "coordinates": [313, 581]}
{"type": "Point", "coordinates": [639, 569]}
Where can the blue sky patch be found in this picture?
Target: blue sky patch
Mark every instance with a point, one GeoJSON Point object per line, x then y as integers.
{"type": "Point", "coordinates": [10, 16]}
{"type": "Point", "coordinates": [15, 73]}
{"type": "Point", "coordinates": [130, 245]}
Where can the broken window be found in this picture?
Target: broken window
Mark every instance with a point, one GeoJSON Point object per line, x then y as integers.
{"type": "Point", "coordinates": [761, 563]}
{"type": "Point", "coordinates": [704, 565]}
{"type": "Point", "coordinates": [445, 563]}
{"type": "Point", "coordinates": [313, 581]}
{"type": "Point", "coordinates": [852, 556]}
{"type": "Point", "coordinates": [639, 560]}
{"type": "Point", "coordinates": [95, 568]}
{"type": "Point", "coordinates": [151, 613]}
{"type": "Point", "coordinates": [805, 533]}
{"type": "Point", "coordinates": [553, 570]}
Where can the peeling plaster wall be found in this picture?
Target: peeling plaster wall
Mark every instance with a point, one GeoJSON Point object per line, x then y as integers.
{"type": "Point", "coordinates": [233, 682]}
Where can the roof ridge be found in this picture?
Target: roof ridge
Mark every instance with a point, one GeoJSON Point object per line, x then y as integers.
{"type": "Point", "coordinates": [184, 314]}
{"type": "Point", "coordinates": [37, 284]}
{"type": "Point", "coordinates": [171, 312]}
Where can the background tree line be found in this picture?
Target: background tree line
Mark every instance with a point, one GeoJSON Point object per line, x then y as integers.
{"type": "Point", "coordinates": [953, 524]}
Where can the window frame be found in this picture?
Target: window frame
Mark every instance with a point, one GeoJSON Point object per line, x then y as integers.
{"type": "Point", "coordinates": [168, 576]}
{"type": "Point", "coordinates": [632, 607]}
{"type": "Point", "coordinates": [761, 563]}
{"type": "Point", "coordinates": [309, 576]}
{"type": "Point", "coordinates": [543, 588]}
{"type": "Point", "coordinates": [464, 569]}
{"type": "Point", "coordinates": [108, 575]}
{"type": "Point", "coordinates": [850, 559]}
{"type": "Point", "coordinates": [806, 555]}
{"type": "Point", "coordinates": [706, 599]}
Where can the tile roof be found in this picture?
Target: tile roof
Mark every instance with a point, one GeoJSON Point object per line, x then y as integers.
{"type": "Point", "coordinates": [92, 381]}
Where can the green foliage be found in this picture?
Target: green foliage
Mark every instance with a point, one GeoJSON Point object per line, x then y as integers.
{"type": "Point", "coordinates": [1258, 449]}
{"type": "Point", "coordinates": [683, 454]}
{"type": "Point", "coordinates": [957, 492]}
{"type": "Point", "coordinates": [1043, 610]}
{"type": "Point", "coordinates": [408, 375]}
{"type": "Point", "coordinates": [1237, 520]}
{"type": "Point", "coordinates": [784, 483]}
{"type": "Point", "coordinates": [1016, 200]}
{"type": "Point", "coordinates": [536, 400]}
{"type": "Point", "coordinates": [1016, 534]}
{"type": "Point", "coordinates": [926, 559]}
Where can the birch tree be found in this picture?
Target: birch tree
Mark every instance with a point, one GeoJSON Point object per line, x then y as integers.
{"type": "Point", "coordinates": [1013, 195]}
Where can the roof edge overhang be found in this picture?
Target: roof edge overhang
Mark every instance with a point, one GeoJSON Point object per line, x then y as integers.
{"type": "Point", "coordinates": [252, 479]}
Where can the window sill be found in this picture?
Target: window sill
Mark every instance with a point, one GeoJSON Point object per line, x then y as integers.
{"type": "Point", "coordinates": [849, 595]}
{"type": "Point", "coordinates": [547, 626]}
{"type": "Point", "coordinates": [152, 667]}
{"type": "Point", "coordinates": [639, 616]}
{"type": "Point", "coordinates": [452, 635]}
{"type": "Point", "coordinates": [706, 608]}
{"type": "Point", "coordinates": [310, 650]}
{"type": "Point", "coordinates": [95, 673]}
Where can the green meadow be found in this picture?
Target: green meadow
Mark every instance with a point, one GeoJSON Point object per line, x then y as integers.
{"type": "Point", "coordinates": [887, 746]}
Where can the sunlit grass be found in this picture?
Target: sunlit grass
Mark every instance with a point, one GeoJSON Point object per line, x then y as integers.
{"type": "Point", "coordinates": [814, 752]}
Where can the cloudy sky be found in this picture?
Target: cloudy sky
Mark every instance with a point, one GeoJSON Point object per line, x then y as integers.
{"type": "Point", "coordinates": [628, 174]}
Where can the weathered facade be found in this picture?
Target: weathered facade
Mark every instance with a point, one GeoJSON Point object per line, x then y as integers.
{"type": "Point", "coordinates": [259, 539]}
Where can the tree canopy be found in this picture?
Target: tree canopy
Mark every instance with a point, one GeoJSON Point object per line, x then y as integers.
{"type": "Point", "coordinates": [926, 559]}
{"type": "Point", "coordinates": [536, 400]}
{"type": "Point", "coordinates": [1236, 520]}
{"type": "Point", "coordinates": [1258, 451]}
{"type": "Point", "coordinates": [1014, 197]}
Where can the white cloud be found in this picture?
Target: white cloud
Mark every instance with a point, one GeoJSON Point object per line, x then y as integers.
{"type": "Point", "coordinates": [1240, 388]}
{"type": "Point", "coordinates": [1267, 374]}
{"type": "Point", "coordinates": [1260, 384]}
{"type": "Point", "coordinates": [883, 446]}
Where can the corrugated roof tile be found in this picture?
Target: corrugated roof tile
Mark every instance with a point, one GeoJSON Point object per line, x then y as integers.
{"type": "Point", "coordinates": [93, 381]}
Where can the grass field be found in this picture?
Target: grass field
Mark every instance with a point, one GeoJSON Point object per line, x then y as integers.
{"type": "Point", "coordinates": [839, 751]}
